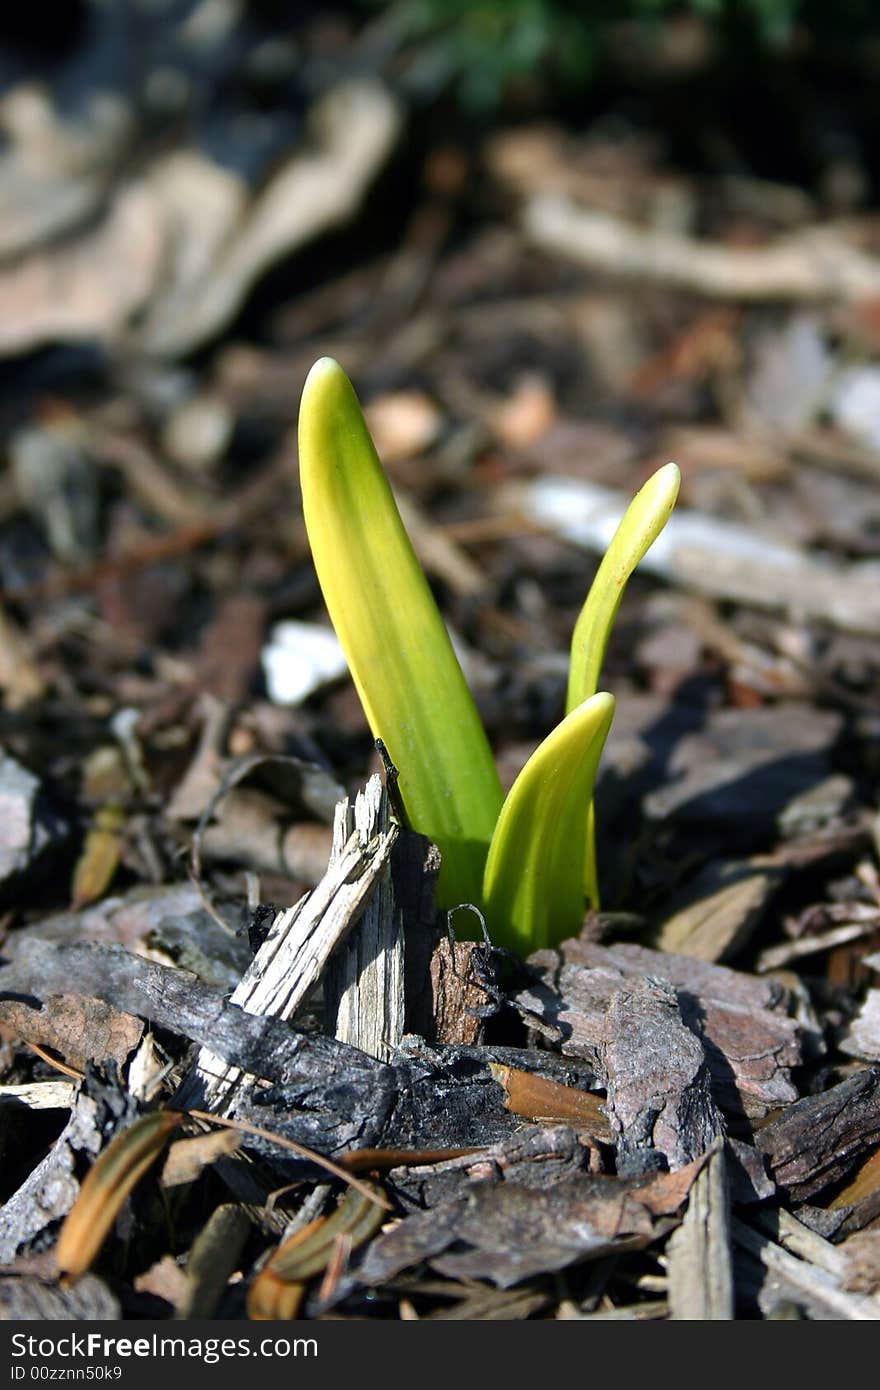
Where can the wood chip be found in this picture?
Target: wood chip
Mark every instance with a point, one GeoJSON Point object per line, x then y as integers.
{"type": "Point", "coordinates": [862, 1037]}
{"type": "Point", "coordinates": [538, 1098]}
{"type": "Point", "coordinates": [751, 1044]}
{"type": "Point", "coordinates": [506, 1234]}
{"type": "Point", "coordinates": [457, 995]}
{"type": "Point", "coordinates": [658, 1080]}
{"type": "Point", "coordinates": [363, 990]}
{"type": "Point", "coordinates": [188, 1158]}
{"type": "Point", "coordinates": [292, 958]}
{"type": "Point", "coordinates": [777, 957]}
{"type": "Point", "coordinates": [40, 1095]}
{"type": "Point", "coordinates": [700, 1268]}
{"type": "Point", "coordinates": [818, 1140]}
{"type": "Point", "coordinates": [815, 1287]}
{"type": "Point", "coordinates": [719, 910]}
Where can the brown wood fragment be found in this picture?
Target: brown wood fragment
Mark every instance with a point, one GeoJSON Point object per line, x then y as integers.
{"type": "Point", "coordinates": [538, 1098]}
{"type": "Point", "coordinates": [699, 1264]}
{"type": "Point", "coordinates": [457, 993]}
{"type": "Point", "coordinates": [819, 1140]}
{"type": "Point", "coordinates": [665, 1193]}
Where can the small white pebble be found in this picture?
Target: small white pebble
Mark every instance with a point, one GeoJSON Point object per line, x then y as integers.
{"type": "Point", "coordinates": [299, 659]}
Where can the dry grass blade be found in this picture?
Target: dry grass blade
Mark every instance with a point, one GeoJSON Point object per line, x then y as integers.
{"type": "Point", "coordinates": [278, 1289]}
{"type": "Point", "coordinates": [361, 1160]}
{"type": "Point", "coordinates": [113, 1176]}
{"type": "Point", "coordinates": [366, 1190]}
{"type": "Point", "coordinates": [307, 1251]}
{"type": "Point", "coordinates": [271, 1299]}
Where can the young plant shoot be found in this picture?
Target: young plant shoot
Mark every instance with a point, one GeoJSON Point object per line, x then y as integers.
{"type": "Point", "coordinates": [530, 863]}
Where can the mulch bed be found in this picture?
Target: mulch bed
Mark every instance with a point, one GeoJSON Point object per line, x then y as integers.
{"type": "Point", "coordinates": [677, 1113]}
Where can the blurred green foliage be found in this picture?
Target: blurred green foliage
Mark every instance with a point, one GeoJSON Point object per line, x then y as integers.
{"type": "Point", "coordinates": [483, 48]}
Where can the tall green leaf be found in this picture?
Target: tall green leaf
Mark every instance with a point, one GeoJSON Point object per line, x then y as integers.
{"type": "Point", "coordinates": [397, 647]}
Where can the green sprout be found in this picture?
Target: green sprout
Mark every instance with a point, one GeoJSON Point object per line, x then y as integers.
{"type": "Point", "coordinates": [528, 861]}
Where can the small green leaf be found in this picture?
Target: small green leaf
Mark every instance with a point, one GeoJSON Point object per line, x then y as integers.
{"type": "Point", "coordinates": [398, 651]}
{"type": "Point", "coordinates": [533, 887]}
{"type": "Point", "coordinates": [640, 526]}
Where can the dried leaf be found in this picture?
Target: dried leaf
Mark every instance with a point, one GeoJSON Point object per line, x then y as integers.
{"type": "Point", "coordinates": [188, 1158]}
{"type": "Point", "coordinates": [78, 1027]}
{"type": "Point", "coordinates": [89, 285]}
{"type": "Point", "coordinates": [113, 1176]}
{"type": "Point", "coordinates": [100, 856]}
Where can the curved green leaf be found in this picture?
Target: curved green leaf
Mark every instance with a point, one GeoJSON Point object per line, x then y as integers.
{"type": "Point", "coordinates": [533, 887]}
{"type": "Point", "coordinates": [640, 526]}
{"type": "Point", "coordinates": [398, 651]}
